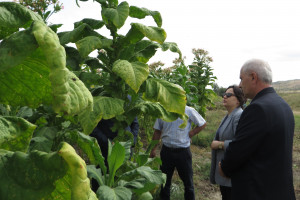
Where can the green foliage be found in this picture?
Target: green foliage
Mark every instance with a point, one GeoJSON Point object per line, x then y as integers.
{"type": "Point", "coordinates": [16, 133]}
{"type": "Point", "coordinates": [292, 98]}
{"type": "Point", "coordinates": [121, 66]}
{"type": "Point", "coordinates": [8, 11]}
{"type": "Point", "coordinates": [203, 169]}
{"type": "Point", "coordinates": [40, 175]}
{"type": "Point", "coordinates": [219, 90]}
{"type": "Point", "coordinates": [126, 179]}
{"type": "Point", "coordinates": [297, 123]}
{"type": "Point", "coordinates": [195, 79]}
{"type": "Point", "coordinates": [146, 126]}
{"type": "Point", "coordinates": [37, 84]}
{"type": "Point", "coordinates": [202, 77]}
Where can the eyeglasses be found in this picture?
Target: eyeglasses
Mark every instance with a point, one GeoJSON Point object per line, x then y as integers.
{"type": "Point", "coordinates": [228, 95]}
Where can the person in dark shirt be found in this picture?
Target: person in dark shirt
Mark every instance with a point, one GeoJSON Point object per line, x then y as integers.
{"type": "Point", "coordinates": [103, 133]}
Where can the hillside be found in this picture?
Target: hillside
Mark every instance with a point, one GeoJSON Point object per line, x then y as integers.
{"type": "Point", "coordinates": [288, 86]}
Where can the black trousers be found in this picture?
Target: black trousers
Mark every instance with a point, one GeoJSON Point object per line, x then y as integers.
{"type": "Point", "coordinates": [181, 159]}
{"type": "Point", "coordinates": [225, 192]}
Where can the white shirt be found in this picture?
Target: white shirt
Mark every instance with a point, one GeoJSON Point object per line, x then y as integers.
{"type": "Point", "coordinates": [175, 137]}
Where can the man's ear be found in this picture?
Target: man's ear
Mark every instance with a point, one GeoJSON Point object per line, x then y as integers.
{"type": "Point", "coordinates": [254, 76]}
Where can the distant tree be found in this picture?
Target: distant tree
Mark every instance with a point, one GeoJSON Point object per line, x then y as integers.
{"type": "Point", "coordinates": [203, 78]}
{"type": "Point", "coordinates": [218, 89]}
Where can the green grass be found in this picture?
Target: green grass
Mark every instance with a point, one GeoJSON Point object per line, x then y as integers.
{"type": "Point", "coordinates": [296, 156]}
{"type": "Point", "coordinates": [292, 99]}
{"type": "Point", "coordinates": [206, 136]}
{"type": "Point", "coordinates": [297, 123]}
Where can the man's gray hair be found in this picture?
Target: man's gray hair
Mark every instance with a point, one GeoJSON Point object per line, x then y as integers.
{"type": "Point", "coordinates": [261, 68]}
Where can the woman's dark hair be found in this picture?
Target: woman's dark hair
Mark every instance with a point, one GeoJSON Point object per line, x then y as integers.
{"type": "Point", "coordinates": [238, 92]}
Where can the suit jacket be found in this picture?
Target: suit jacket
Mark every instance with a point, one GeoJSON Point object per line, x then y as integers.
{"type": "Point", "coordinates": [226, 133]}
{"type": "Point", "coordinates": [259, 158]}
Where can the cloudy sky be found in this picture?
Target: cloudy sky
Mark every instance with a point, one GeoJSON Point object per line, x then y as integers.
{"type": "Point", "coordinates": [232, 31]}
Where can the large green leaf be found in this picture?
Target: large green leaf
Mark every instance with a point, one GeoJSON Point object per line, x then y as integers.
{"type": "Point", "coordinates": [104, 107]}
{"type": "Point", "coordinates": [70, 95]}
{"type": "Point", "coordinates": [43, 139]}
{"type": "Point", "coordinates": [140, 186]}
{"type": "Point", "coordinates": [75, 99]}
{"type": "Point", "coordinates": [16, 48]}
{"type": "Point", "coordinates": [62, 188]}
{"type": "Point", "coordinates": [141, 13]}
{"type": "Point", "coordinates": [117, 16]}
{"type": "Point", "coordinates": [155, 109]}
{"type": "Point", "coordinates": [15, 133]}
{"type": "Point", "coordinates": [145, 50]}
{"type": "Point", "coordinates": [78, 33]}
{"type": "Point", "coordinates": [115, 159]}
{"type": "Point", "coordinates": [29, 176]}
{"type": "Point", "coordinates": [88, 78]}
{"type": "Point", "coordinates": [141, 51]}
{"type": "Point", "coordinates": [88, 44]}
{"type": "Point", "coordinates": [96, 174]}
{"type": "Point", "coordinates": [26, 84]}
{"type": "Point", "coordinates": [25, 112]}
{"type": "Point", "coordinates": [80, 182]}
{"type": "Point", "coordinates": [113, 3]}
{"type": "Point", "coordinates": [153, 176]}
{"type": "Point", "coordinates": [134, 74]}
{"type": "Point", "coordinates": [118, 193]}
{"type": "Point", "coordinates": [143, 179]}
{"type": "Point", "coordinates": [93, 23]}
{"type": "Point", "coordinates": [89, 146]}
{"type": "Point", "coordinates": [30, 77]}
{"type": "Point", "coordinates": [14, 16]}
{"type": "Point", "coordinates": [139, 31]}
{"type": "Point", "coordinates": [145, 196]}
{"type": "Point", "coordinates": [170, 95]}
{"type": "Point", "coordinates": [74, 59]}
{"type": "Point", "coordinates": [172, 47]}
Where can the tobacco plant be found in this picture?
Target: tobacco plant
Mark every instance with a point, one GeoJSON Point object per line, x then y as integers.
{"type": "Point", "coordinates": [62, 86]}
{"type": "Point", "coordinates": [196, 79]}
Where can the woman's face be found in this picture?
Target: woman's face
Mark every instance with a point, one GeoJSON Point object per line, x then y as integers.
{"type": "Point", "coordinates": [230, 102]}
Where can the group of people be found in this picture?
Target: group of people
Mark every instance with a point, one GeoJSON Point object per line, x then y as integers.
{"type": "Point", "coordinates": [252, 148]}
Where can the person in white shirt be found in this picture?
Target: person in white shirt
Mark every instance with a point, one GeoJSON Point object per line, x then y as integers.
{"type": "Point", "coordinates": [175, 152]}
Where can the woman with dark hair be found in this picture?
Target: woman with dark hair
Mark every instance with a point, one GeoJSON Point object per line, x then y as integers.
{"type": "Point", "coordinates": [233, 101]}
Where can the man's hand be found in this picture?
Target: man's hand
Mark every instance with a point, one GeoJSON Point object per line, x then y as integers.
{"type": "Point", "coordinates": [196, 130]}
{"type": "Point", "coordinates": [156, 136]}
{"type": "Point", "coordinates": [153, 153]}
{"type": "Point", "coordinates": [217, 145]}
{"type": "Point", "coordinates": [221, 171]}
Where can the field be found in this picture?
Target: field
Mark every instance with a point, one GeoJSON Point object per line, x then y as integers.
{"type": "Point", "coordinates": [202, 155]}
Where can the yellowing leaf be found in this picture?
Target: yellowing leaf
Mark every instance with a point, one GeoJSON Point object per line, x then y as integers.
{"type": "Point", "coordinates": [134, 74]}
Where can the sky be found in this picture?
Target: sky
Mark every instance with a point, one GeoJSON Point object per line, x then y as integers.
{"type": "Point", "coordinates": [232, 31]}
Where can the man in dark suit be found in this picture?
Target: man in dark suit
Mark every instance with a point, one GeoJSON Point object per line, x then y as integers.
{"type": "Point", "coordinates": [259, 159]}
